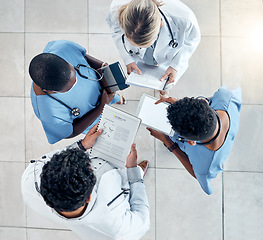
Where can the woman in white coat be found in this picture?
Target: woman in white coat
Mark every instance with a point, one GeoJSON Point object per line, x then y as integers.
{"type": "Point", "coordinates": [155, 33]}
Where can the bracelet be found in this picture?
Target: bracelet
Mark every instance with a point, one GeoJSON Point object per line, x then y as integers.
{"type": "Point", "coordinates": [81, 147]}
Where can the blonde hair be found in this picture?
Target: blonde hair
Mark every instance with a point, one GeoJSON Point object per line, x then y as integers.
{"type": "Point", "coordinates": [140, 20]}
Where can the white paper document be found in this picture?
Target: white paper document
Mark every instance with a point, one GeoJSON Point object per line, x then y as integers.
{"type": "Point", "coordinates": [119, 131]}
{"type": "Point", "coordinates": [150, 77]}
{"type": "Point", "coordinates": [154, 115]}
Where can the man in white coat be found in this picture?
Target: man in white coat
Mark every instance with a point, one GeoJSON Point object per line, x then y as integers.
{"type": "Point", "coordinates": [89, 196]}
{"type": "Point", "coordinates": [157, 33]}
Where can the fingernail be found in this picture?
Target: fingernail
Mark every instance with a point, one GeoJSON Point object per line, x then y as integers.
{"type": "Point", "coordinates": [100, 130]}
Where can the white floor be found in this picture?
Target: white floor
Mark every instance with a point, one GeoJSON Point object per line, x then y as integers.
{"type": "Point", "coordinates": [179, 208]}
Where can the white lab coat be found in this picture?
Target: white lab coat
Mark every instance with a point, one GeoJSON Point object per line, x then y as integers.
{"type": "Point", "coordinates": [126, 218]}
{"type": "Point", "coordinates": [185, 30]}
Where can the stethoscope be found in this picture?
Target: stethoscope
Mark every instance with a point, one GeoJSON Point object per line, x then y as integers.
{"type": "Point", "coordinates": [173, 43]}
{"type": "Point", "coordinates": [76, 111]}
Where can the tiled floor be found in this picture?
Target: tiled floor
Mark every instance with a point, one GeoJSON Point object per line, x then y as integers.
{"type": "Point", "coordinates": [179, 208]}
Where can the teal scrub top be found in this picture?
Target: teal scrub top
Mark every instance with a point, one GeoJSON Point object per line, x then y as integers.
{"type": "Point", "coordinates": [206, 163]}
{"type": "Point", "coordinates": [56, 119]}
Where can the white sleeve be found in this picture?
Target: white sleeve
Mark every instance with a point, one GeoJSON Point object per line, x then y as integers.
{"type": "Point", "coordinates": [136, 220]}
{"type": "Point", "coordinates": [191, 40]}
{"type": "Point", "coordinates": [116, 31]}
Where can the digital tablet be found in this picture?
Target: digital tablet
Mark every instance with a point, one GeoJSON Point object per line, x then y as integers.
{"type": "Point", "coordinates": [154, 115]}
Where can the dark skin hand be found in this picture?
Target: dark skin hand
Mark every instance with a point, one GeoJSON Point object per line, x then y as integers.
{"type": "Point", "coordinates": [183, 158]}
{"type": "Point", "coordinates": [80, 124]}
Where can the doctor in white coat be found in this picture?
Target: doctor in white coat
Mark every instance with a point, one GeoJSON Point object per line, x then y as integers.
{"type": "Point", "coordinates": [165, 33]}
{"type": "Point", "coordinates": [62, 186]}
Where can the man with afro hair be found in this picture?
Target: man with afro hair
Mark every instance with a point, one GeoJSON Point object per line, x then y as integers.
{"type": "Point", "coordinates": [204, 132]}
{"type": "Point", "coordinates": [89, 195]}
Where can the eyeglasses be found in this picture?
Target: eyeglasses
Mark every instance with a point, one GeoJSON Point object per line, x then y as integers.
{"type": "Point", "coordinates": [183, 140]}
{"type": "Point", "coordinates": [81, 68]}
{"type": "Point", "coordinates": [132, 53]}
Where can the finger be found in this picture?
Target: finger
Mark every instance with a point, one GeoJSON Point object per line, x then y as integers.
{"type": "Point", "coordinates": [161, 100]}
{"type": "Point", "coordinates": [138, 70]}
{"type": "Point", "coordinates": [150, 130]}
{"type": "Point", "coordinates": [164, 76]}
{"type": "Point", "coordinates": [171, 79]}
{"type": "Point", "coordinates": [99, 132]}
{"type": "Point", "coordinates": [129, 70]}
{"type": "Point", "coordinates": [133, 149]}
{"type": "Point", "coordinates": [92, 130]}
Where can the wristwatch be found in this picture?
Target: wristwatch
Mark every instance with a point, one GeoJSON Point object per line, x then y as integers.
{"type": "Point", "coordinates": [173, 147]}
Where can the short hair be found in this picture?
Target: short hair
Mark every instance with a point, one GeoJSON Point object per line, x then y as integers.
{"type": "Point", "coordinates": [140, 20]}
{"type": "Point", "coordinates": [192, 118]}
{"type": "Point", "coordinates": [67, 180]}
{"type": "Point", "coordinates": [49, 71]}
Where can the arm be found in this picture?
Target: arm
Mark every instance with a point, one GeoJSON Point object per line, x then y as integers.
{"type": "Point", "coordinates": [183, 158]}
{"type": "Point", "coordinates": [191, 41]}
{"type": "Point", "coordinates": [94, 62]}
{"type": "Point", "coordinates": [136, 221]}
{"type": "Point", "coordinates": [80, 124]}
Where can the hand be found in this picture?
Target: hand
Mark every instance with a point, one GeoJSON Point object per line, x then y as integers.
{"type": "Point", "coordinates": [168, 100]}
{"type": "Point", "coordinates": [106, 98]}
{"type": "Point", "coordinates": [91, 137]}
{"type": "Point", "coordinates": [104, 64]}
{"type": "Point", "coordinates": [171, 73]}
{"type": "Point", "coordinates": [131, 160]}
{"type": "Point", "coordinates": [157, 134]}
{"type": "Point", "coordinates": [132, 66]}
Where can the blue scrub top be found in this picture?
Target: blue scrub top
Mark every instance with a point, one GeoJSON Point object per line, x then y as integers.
{"type": "Point", "coordinates": [85, 95]}
{"type": "Point", "coordinates": [206, 163]}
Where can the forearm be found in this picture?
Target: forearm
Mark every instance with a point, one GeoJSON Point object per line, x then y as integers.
{"type": "Point", "coordinates": [139, 206]}
{"type": "Point", "coordinates": [80, 124]}
{"type": "Point", "coordinates": [183, 158]}
{"type": "Point", "coordinates": [94, 62]}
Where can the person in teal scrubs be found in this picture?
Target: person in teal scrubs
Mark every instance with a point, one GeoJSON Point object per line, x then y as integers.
{"type": "Point", "coordinates": [58, 90]}
{"type": "Point", "coordinates": [205, 130]}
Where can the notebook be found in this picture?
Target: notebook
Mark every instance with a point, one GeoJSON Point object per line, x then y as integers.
{"type": "Point", "coordinates": [119, 131]}
{"type": "Point", "coordinates": [150, 77]}
{"type": "Point", "coordinates": [154, 115]}
{"type": "Point", "coordinates": [113, 77]}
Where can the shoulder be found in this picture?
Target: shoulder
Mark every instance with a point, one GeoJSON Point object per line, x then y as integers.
{"type": "Point", "coordinates": [62, 45]}
{"type": "Point", "coordinates": [224, 97]}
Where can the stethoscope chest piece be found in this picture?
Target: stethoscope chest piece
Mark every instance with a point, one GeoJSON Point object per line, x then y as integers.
{"type": "Point", "coordinates": [173, 43]}
{"type": "Point", "coordinates": [75, 112]}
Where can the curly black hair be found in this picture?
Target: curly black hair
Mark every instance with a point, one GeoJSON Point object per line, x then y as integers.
{"type": "Point", "coordinates": [49, 71]}
{"type": "Point", "coordinates": [67, 180]}
{"type": "Point", "coordinates": [192, 118]}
